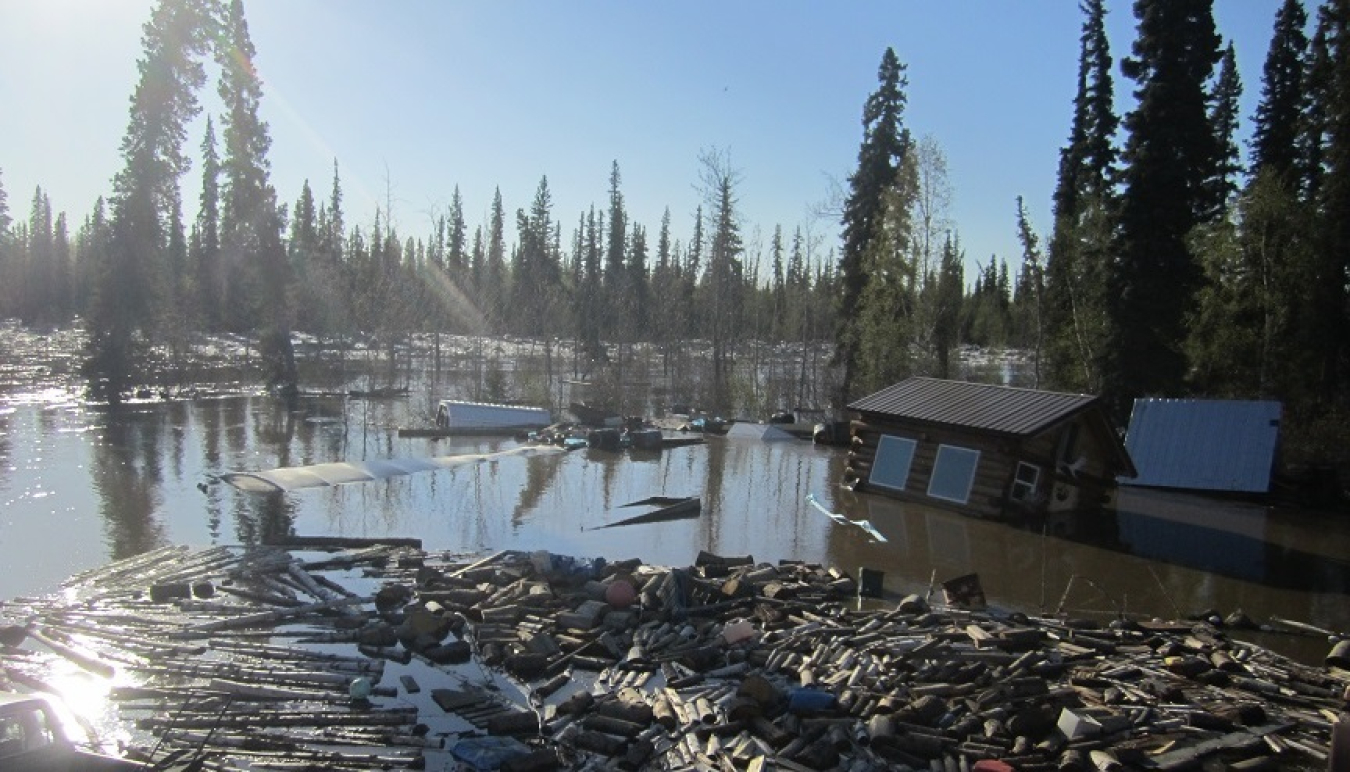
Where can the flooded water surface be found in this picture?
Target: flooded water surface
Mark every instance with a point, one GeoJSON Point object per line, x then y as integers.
{"type": "Point", "coordinates": [80, 486]}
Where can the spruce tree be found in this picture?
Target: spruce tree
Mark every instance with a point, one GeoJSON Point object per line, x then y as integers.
{"type": "Point", "coordinates": [1223, 117]}
{"type": "Point", "coordinates": [879, 158]}
{"type": "Point", "coordinates": [723, 289]}
{"type": "Point", "coordinates": [949, 288]}
{"type": "Point", "coordinates": [129, 283]}
{"type": "Point", "coordinates": [588, 298]}
{"type": "Point", "coordinates": [1170, 156]}
{"type": "Point", "coordinates": [250, 219]}
{"type": "Point", "coordinates": [1084, 200]}
{"type": "Point", "coordinates": [638, 288]}
{"type": "Point", "coordinates": [456, 257]}
{"type": "Point", "coordinates": [617, 299]}
{"type": "Point", "coordinates": [494, 266]}
{"type": "Point", "coordinates": [1330, 322]}
{"type": "Point", "coordinates": [1278, 121]}
{"type": "Point", "coordinates": [205, 253]}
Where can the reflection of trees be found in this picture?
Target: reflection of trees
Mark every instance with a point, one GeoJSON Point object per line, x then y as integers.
{"type": "Point", "coordinates": [260, 518]}
{"type": "Point", "coordinates": [710, 523]}
{"type": "Point", "coordinates": [211, 423]}
{"type": "Point", "coordinates": [540, 474]}
{"type": "Point", "coordinates": [126, 476]}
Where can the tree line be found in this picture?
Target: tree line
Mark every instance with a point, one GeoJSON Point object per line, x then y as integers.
{"type": "Point", "coordinates": [1171, 267]}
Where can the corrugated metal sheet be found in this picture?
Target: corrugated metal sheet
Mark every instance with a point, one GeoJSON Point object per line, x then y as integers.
{"type": "Point", "coordinates": [291, 478]}
{"type": "Point", "coordinates": [1204, 444]}
{"type": "Point", "coordinates": [1002, 409]}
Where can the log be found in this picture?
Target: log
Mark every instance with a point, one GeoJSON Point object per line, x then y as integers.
{"type": "Point", "coordinates": [343, 542]}
{"type": "Point", "coordinates": [85, 660]}
{"type": "Point", "coordinates": [268, 617]}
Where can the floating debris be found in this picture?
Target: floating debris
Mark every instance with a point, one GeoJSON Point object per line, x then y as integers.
{"type": "Point", "coordinates": [667, 508]}
{"type": "Point", "coordinates": [866, 525]}
{"type": "Point", "coordinates": [395, 658]}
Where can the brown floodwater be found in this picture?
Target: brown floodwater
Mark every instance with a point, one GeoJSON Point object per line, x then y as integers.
{"type": "Point", "coordinates": [80, 486]}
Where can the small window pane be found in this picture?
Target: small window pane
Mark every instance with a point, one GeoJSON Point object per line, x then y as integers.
{"type": "Point", "coordinates": [1024, 484]}
{"type": "Point", "coordinates": [891, 467]}
{"type": "Point", "coordinates": [953, 473]}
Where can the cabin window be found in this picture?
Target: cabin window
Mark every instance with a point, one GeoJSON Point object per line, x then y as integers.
{"type": "Point", "coordinates": [1024, 483]}
{"type": "Point", "coordinates": [953, 473]}
{"type": "Point", "coordinates": [891, 467]}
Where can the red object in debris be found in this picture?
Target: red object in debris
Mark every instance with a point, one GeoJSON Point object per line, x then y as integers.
{"type": "Point", "coordinates": [991, 765]}
{"type": "Point", "coordinates": [620, 594]}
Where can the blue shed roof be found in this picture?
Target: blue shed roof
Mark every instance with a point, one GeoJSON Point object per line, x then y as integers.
{"type": "Point", "coordinates": [1204, 444]}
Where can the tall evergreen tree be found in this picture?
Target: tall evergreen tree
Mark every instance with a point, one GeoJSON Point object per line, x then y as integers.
{"type": "Point", "coordinates": [1251, 334]}
{"type": "Point", "coordinates": [1084, 202]}
{"type": "Point", "coordinates": [456, 255]}
{"type": "Point", "coordinates": [588, 298]}
{"type": "Point", "coordinates": [880, 156]}
{"type": "Point", "coordinates": [1330, 313]}
{"type": "Point", "coordinates": [949, 289]}
{"type": "Point", "coordinates": [494, 267]}
{"type": "Point", "coordinates": [723, 282]}
{"type": "Point", "coordinates": [305, 250]}
{"type": "Point", "coordinates": [130, 280]}
{"type": "Point", "coordinates": [1279, 116]}
{"type": "Point", "coordinates": [1170, 155]}
{"type": "Point", "coordinates": [617, 301]}
{"type": "Point", "coordinates": [205, 253]}
{"type": "Point", "coordinates": [251, 223]}
{"type": "Point", "coordinates": [1223, 116]}
{"type": "Point", "coordinates": [334, 230]}
{"type": "Point", "coordinates": [638, 288]}
{"type": "Point", "coordinates": [1030, 297]}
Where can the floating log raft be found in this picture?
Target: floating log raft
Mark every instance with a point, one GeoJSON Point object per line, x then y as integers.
{"type": "Point", "coordinates": [259, 659]}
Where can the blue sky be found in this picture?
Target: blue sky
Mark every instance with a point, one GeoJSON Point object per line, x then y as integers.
{"type": "Point", "coordinates": [414, 97]}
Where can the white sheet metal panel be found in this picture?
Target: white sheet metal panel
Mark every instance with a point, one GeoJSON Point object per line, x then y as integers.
{"type": "Point", "coordinates": [341, 472]}
{"type": "Point", "coordinates": [1203, 444]}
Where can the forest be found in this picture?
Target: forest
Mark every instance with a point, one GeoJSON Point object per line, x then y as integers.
{"type": "Point", "coordinates": [1176, 264]}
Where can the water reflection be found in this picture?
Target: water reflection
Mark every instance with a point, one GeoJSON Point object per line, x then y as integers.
{"type": "Point", "coordinates": [145, 476]}
{"type": "Point", "coordinates": [126, 476]}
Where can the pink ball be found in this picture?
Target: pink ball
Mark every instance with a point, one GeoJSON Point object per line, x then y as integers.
{"type": "Point", "coordinates": [620, 593]}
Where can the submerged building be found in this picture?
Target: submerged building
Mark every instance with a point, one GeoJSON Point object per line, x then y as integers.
{"type": "Point", "coordinates": [992, 451]}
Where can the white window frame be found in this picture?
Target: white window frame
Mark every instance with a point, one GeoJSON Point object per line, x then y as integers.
{"type": "Point", "coordinates": [1022, 490]}
{"type": "Point", "coordinates": [938, 464]}
{"type": "Point", "coordinates": [909, 465]}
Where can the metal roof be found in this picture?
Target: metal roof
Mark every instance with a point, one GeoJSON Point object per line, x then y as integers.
{"type": "Point", "coordinates": [1204, 444]}
{"type": "Point", "coordinates": [983, 406]}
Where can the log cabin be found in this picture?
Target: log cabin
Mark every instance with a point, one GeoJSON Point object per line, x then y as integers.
{"type": "Point", "coordinates": [992, 451]}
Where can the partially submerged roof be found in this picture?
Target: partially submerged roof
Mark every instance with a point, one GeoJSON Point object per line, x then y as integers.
{"type": "Point", "coordinates": [292, 478]}
{"type": "Point", "coordinates": [1204, 444]}
{"type": "Point", "coordinates": [742, 430]}
{"type": "Point", "coordinates": [986, 407]}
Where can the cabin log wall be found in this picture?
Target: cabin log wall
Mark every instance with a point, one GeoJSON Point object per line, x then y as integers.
{"type": "Point", "coordinates": [993, 474]}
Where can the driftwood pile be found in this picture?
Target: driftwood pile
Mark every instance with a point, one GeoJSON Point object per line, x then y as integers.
{"type": "Point", "coordinates": [259, 660]}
